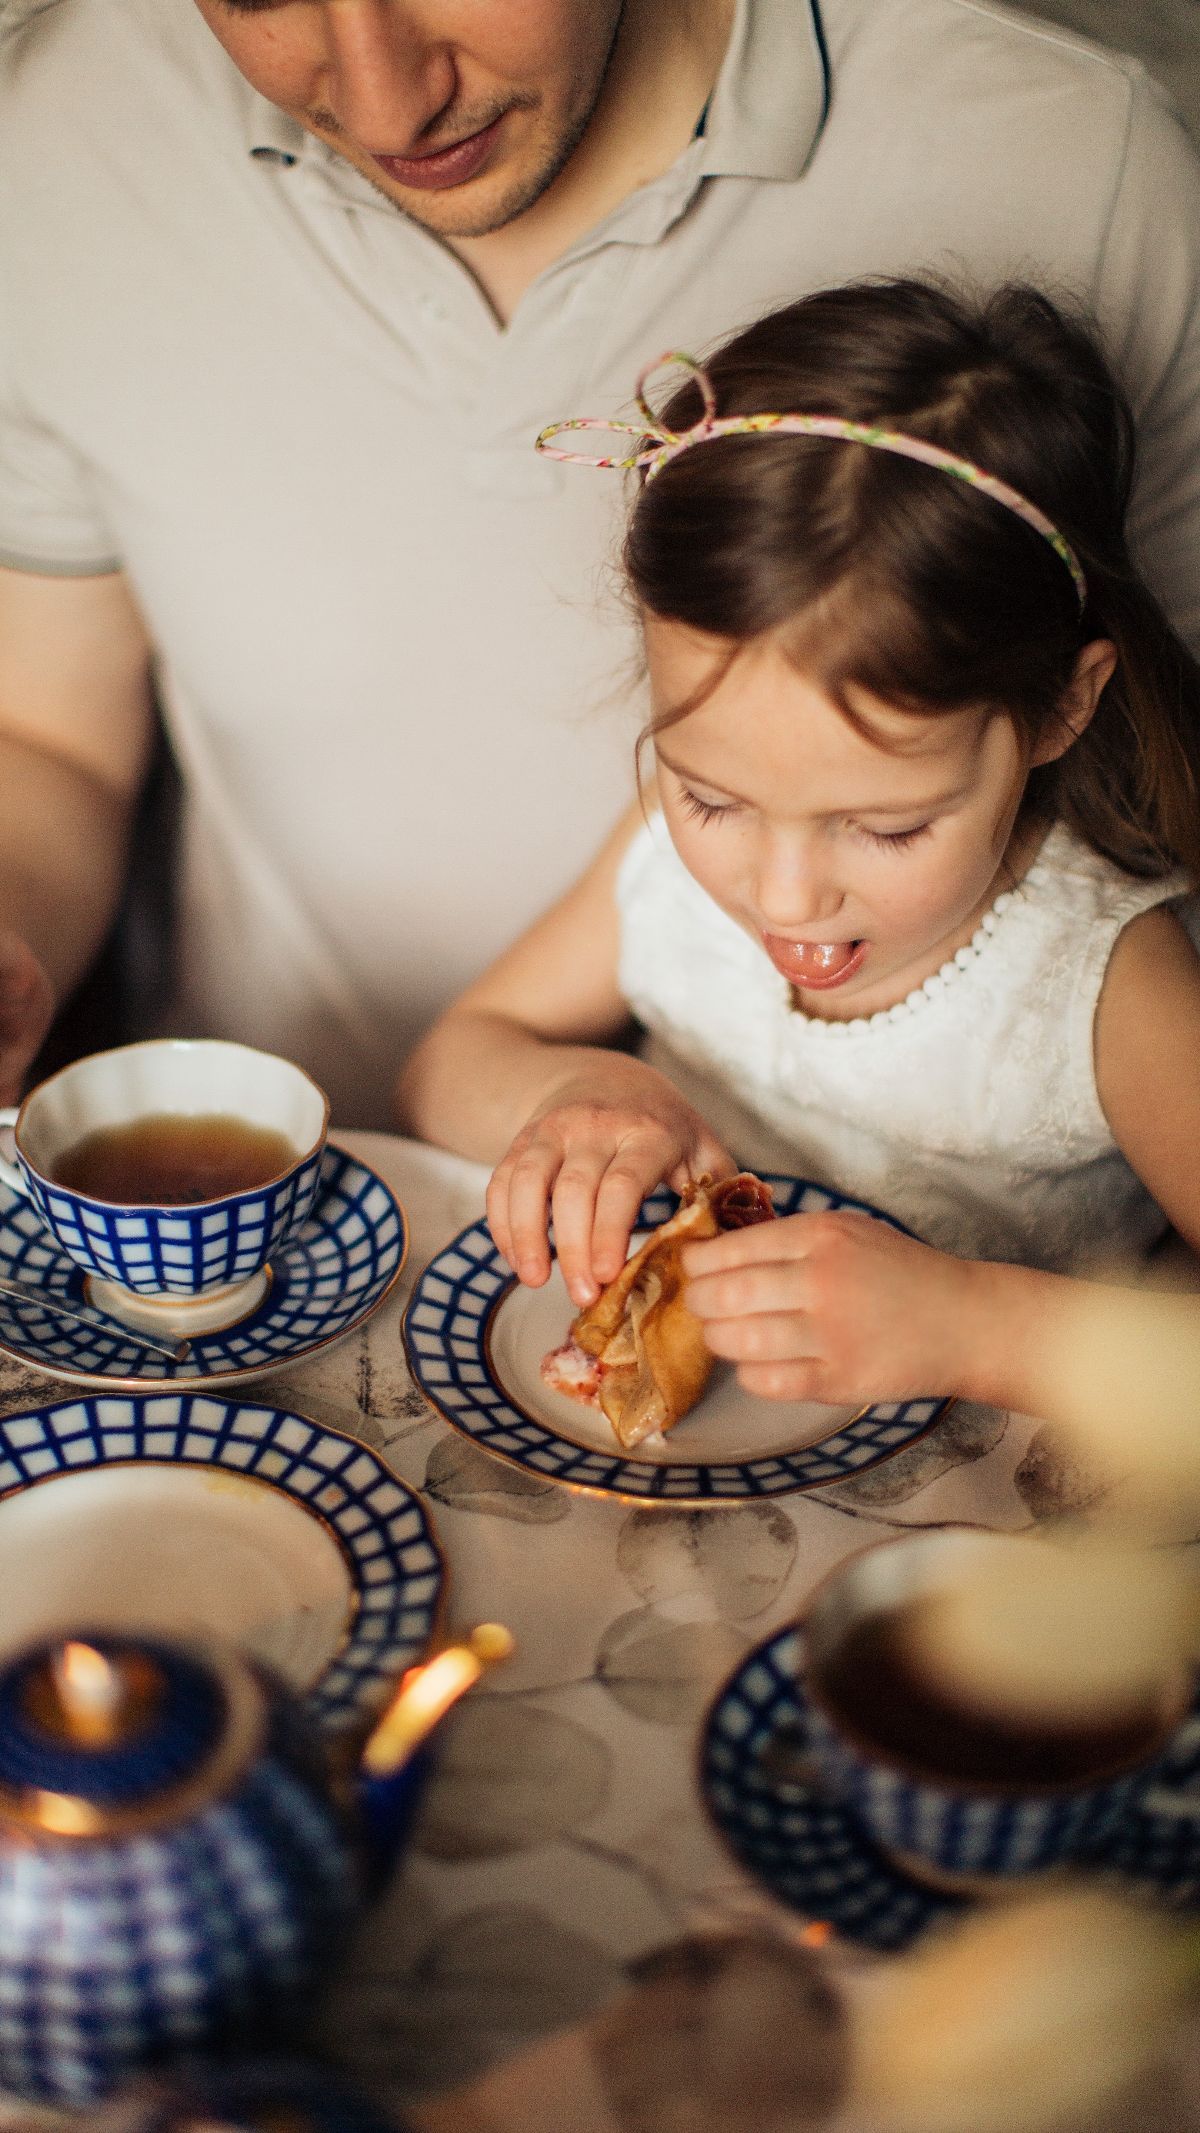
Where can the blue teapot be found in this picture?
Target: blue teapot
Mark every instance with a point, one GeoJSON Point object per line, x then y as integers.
{"type": "Point", "coordinates": [180, 1858]}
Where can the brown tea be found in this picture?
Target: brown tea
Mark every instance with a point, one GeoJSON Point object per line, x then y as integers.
{"type": "Point", "coordinates": [171, 1160]}
{"type": "Point", "coordinates": [875, 1684]}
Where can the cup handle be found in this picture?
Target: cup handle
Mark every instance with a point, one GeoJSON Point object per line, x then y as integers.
{"type": "Point", "coordinates": [8, 1170]}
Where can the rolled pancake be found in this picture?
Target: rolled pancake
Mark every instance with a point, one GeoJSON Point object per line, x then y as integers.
{"type": "Point", "coordinates": [637, 1352]}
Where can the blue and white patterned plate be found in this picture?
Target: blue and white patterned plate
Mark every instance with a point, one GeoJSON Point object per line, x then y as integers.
{"type": "Point", "coordinates": [337, 1268]}
{"type": "Point", "coordinates": [809, 1851]}
{"type": "Point", "coordinates": [475, 1343]}
{"type": "Point", "coordinates": [186, 1514]}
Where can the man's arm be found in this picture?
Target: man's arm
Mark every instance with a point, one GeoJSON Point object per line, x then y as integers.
{"type": "Point", "coordinates": [1147, 297]}
{"type": "Point", "coordinates": [76, 725]}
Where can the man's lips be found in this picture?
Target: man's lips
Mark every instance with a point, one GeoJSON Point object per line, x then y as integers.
{"type": "Point", "coordinates": [444, 166]}
{"type": "Point", "coordinates": [815, 966]}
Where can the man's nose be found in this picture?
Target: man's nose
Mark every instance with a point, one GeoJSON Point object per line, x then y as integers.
{"type": "Point", "coordinates": [797, 886]}
{"type": "Point", "coordinates": [386, 79]}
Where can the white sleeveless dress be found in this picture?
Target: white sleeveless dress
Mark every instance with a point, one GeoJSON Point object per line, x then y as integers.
{"type": "Point", "coordinates": [968, 1110]}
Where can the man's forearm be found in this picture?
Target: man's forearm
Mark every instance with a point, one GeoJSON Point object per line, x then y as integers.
{"type": "Point", "coordinates": [63, 844]}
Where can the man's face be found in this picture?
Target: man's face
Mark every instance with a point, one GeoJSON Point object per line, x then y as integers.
{"type": "Point", "coordinates": [462, 112]}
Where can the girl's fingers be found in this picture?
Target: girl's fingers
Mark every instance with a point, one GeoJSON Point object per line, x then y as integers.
{"type": "Point", "coordinates": [496, 1208]}
{"type": "Point", "coordinates": [768, 1337]}
{"type": "Point", "coordinates": [802, 1380]}
{"type": "Point", "coordinates": [707, 1159]}
{"type": "Point", "coordinates": [622, 1189]}
{"type": "Point", "coordinates": [742, 1291]}
{"type": "Point", "coordinates": [528, 1214]}
{"type": "Point", "coordinates": [778, 1241]}
{"type": "Point", "coordinates": [574, 1205]}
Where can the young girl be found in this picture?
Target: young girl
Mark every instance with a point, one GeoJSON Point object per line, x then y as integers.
{"type": "Point", "coordinates": [904, 917]}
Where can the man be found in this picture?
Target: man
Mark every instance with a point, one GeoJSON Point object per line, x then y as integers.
{"type": "Point", "coordinates": [286, 289]}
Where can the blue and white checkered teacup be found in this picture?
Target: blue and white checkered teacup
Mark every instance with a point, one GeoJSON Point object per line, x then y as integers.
{"type": "Point", "coordinates": [953, 1830]}
{"type": "Point", "coordinates": [195, 1266]}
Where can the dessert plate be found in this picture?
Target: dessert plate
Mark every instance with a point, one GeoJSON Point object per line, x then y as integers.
{"type": "Point", "coordinates": [810, 1852]}
{"type": "Point", "coordinates": [335, 1269]}
{"type": "Point", "coordinates": [194, 1516]}
{"type": "Point", "coordinates": [475, 1341]}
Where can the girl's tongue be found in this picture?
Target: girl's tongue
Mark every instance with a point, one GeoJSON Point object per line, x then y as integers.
{"type": "Point", "coordinates": [814, 965]}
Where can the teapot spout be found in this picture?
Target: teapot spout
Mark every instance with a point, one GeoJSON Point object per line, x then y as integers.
{"type": "Point", "coordinates": [391, 1760]}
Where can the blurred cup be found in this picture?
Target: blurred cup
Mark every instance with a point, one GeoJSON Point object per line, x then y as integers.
{"type": "Point", "coordinates": [956, 1791]}
{"type": "Point", "coordinates": [170, 1172]}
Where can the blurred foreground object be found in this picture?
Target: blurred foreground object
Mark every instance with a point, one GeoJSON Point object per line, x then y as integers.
{"type": "Point", "coordinates": [253, 2095]}
{"type": "Point", "coordinates": [1063, 1632]}
{"type": "Point", "coordinates": [1123, 1383]}
{"type": "Point", "coordinates": [1023, 2018]}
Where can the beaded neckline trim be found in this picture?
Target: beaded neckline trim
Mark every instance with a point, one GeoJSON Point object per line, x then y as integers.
{"type": "Point", "coordinates": [938, 980]}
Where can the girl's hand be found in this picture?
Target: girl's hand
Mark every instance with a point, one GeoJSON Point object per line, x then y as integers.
{"type": "Point", "coordinates": [834, 1307]}
{"type": "Point", "coordinates": [589, 1156]}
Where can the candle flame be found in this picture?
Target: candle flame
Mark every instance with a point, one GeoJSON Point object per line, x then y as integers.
{"type": "Point", "coordinates": [426, 1693]}
{"type": "Point", "coordinates": [86, 1674]}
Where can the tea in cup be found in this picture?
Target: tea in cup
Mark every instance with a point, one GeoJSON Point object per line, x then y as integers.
{"type": "Point", "coordinates": [170, 1172]}
{"type": "Point", "coordinates": [958, 1792]}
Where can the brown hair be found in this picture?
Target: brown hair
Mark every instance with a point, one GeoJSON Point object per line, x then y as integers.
{"type": "Point", "coordinates": [877, 572]}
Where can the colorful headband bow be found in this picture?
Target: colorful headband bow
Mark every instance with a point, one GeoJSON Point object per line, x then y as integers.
{"type": "Point", "coordinates": [658, 446]}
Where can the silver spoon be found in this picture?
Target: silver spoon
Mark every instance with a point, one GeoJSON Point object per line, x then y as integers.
{"type": "Point", "coordinates": [84, 1315]}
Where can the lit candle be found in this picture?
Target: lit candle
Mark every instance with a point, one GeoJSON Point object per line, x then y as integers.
{"type": "Point", "coordinates": [91, 1693]}
{"type": "Point", "coordinates": [425, 1695]}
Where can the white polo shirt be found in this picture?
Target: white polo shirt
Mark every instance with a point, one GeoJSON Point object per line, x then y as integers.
{"type": "Point", "coordinates": [396, 671]}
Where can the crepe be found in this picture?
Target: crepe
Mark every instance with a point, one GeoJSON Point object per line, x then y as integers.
{"type": "Point", "coordinates": [638, 1353]}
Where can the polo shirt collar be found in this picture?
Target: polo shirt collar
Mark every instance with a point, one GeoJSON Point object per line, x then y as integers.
{"type": "Point", "coordinates": [770, 99]}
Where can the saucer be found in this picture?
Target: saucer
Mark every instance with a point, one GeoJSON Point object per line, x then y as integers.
{"type": "Point", "coordinates": [193, 1516]}
{"type": "Point", "coordinates": [475, 1340]}
{"type": "Point", "coordinates": [810, 1852]}
{"type": "Point", "coordinates": [330, 1274]}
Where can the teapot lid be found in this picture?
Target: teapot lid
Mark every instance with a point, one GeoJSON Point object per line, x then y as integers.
{"type": "Point", "coordinates": [105, 1735]}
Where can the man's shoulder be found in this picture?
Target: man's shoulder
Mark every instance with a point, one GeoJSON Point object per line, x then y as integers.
{"type": "Point", "coordinates": [94, 57]}
{"type": "Point", "coordinates": [985, 50]}
{"type": "Point", "coordinates": [1005, 100]}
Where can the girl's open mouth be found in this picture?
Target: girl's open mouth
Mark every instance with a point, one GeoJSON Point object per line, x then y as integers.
{"type": "Point", "coordinates": [815, 966]}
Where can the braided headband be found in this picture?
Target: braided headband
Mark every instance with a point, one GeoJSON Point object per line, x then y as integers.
{"type": "Point", "coordinates": [657, 446]}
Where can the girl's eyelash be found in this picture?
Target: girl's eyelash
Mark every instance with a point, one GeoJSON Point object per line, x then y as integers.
{"type": "Point", "coordinates": [896, 840]}
{"type": "Point", "coordinates": [703, 810]}
{"type": "Point", "coordinates": [708, 811]}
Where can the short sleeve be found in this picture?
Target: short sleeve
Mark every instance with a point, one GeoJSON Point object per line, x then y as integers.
{"type": "Point", "coordinates": [1148, 298]}
{"type": "Point", "coordinates": [50, 520]}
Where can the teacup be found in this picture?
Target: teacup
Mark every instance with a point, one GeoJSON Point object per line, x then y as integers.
{"type": "Point", "coordinates": [958, 1795]}
{"type": "Point", "coordinates": [170, 1172]}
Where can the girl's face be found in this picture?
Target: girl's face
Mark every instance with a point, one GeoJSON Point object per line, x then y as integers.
{"type": "Point", "coordinates": [860, 860]}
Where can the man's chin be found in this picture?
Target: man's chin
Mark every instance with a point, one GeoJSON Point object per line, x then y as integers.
{"type": "Point", "coordinates": [475, 210]}
{"type": "Point", "coordinates": [489, 202]}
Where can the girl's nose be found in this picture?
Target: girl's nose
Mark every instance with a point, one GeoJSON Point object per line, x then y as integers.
{"type": "Point", "coordinates": [385, 78]}
{"type": "Point", "coordinates": [796, 885]}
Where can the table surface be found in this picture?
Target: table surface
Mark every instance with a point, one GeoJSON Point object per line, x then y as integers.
{"type": "Point", "coordinates": [562, 1836]}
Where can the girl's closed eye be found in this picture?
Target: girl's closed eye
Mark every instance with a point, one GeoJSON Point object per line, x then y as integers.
{"type": "Point", "coordinates": [704, 810]}
{"type": "Point", "coordinates": [894, 840]}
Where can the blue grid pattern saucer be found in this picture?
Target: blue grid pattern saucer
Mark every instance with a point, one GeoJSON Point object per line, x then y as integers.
{"type": "Point", "coordinates": [809, 1851]}
{"type": "Point", "coordinates": [379, 1524]}
{"type": "Point", "coordinates": [335, 1269]}
{"type": "Point", "coordinates": [449, 1338]}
